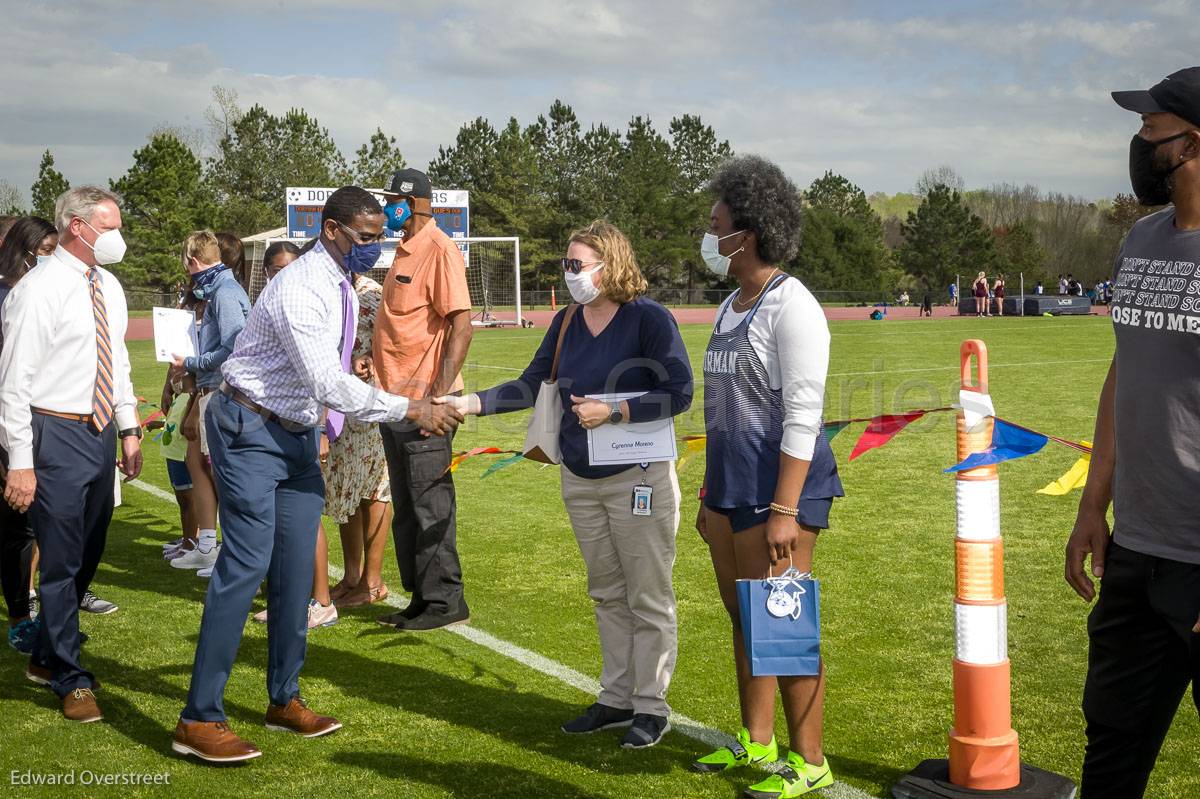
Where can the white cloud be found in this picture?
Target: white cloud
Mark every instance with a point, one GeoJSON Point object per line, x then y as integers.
{"type": "Point", "coordinates": [1023, 98]}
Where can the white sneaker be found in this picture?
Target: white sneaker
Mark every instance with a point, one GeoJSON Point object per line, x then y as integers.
{"type": "Point", "coordinates": [195, 559]}
{"type": "Point", "coordinates": [94, 604]}
{"type": "Point", "coordinates": [173, 544]}
{"type": "Point", "coordinates": [260, 617]}
{"type": "Point", "coordinates": [186, 546]}
{"type": "Point", "coordinates": [205, 572]}
{"type": "Point", "coordinates": [321, 615]}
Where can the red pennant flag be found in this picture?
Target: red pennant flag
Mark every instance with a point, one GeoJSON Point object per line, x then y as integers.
{"type": "Point", "coordinates": [881, 429]}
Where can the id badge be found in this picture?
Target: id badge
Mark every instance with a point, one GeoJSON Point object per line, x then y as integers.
{"type": "Point", "coordinates": [643, 500]}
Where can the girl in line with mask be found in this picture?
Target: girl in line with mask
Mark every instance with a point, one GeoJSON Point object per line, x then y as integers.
{"type": "Point", "coordinates": [771, 477]}
{"type": "Point", "coordinates": [29, 240]}
{"type": "Point", "coordinates": [616, 341]}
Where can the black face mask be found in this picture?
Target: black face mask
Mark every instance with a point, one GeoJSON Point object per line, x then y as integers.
{"type": "Point", "coordinates": [1151, 181]}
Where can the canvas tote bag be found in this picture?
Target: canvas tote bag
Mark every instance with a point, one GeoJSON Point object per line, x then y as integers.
{"type": "Point", "coordinates": [541, 437]}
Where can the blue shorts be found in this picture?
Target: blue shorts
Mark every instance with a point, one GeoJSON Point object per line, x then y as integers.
{"type": "Point", "coordinates": [816, 498]}
{"type": "Point", "coordinates": [181, 478]}
{"type": "Point", "coordinates": [813, 513]}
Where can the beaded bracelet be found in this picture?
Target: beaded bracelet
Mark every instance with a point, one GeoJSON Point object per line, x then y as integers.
{"type": "Point", "coordinates": [784, 510]}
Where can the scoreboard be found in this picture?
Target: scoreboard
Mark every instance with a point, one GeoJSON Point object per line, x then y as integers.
{"type": "Point", "coordinates": [451, 212]}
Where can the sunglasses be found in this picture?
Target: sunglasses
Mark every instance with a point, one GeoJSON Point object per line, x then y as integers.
{"type": "Point", "coordinates": [575, 266]}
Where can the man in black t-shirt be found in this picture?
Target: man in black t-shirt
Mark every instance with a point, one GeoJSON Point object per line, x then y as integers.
{"type": "Point", "coordinates": [1144, 646]}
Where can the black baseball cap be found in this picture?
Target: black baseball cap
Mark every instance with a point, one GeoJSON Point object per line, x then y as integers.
{"type": "Point", "coordinates": [1178, 94]}
{"type": "Point", "coordinates": [411, 183]}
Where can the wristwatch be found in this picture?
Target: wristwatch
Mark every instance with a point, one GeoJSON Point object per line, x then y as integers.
{"type": "Point", "coordinates": [130, 431]}
{"type": "Point", "coordinates": [615, 416]}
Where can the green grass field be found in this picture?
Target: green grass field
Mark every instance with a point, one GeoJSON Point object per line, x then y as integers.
{"type": "Point", "coordinates": [440, 716]}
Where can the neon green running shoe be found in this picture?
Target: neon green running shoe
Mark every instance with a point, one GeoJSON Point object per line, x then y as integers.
{"type": "Point", "coordinates": [797, 778]}
{"type": "Point", "coordinates": [742, 752]}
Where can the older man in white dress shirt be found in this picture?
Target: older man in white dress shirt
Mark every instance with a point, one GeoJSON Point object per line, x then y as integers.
{"type": "Point", "coordinates": [291, 360]}
{"type": "Point", "coordinates": [65, 399]}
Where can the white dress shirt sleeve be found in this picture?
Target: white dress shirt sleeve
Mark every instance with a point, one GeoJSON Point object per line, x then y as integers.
{"type": "Point", "coordinates": [802, 342]}
{"type": "Point", "coordinates": [125, 400]}
{"type": "Point", "coordinates": [300, 316]}
{"type": "Point", "coordinates": [28, 322]}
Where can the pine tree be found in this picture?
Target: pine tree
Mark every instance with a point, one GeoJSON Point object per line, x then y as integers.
{"type": "Point", "coordinates": [163, 199]}
{"type": "Point", "coordinates": [942, 239]}
{"type": "Point", "coordinates": [50, 184]}
{"type": "Point", "coordinates": [843, 246]}
{"type": "Point", "coordinates": [376, 161]}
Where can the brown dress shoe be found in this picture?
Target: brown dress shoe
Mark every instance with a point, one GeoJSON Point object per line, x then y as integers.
{"type": "Point", "coordinates": [296, 717]}
{"type": "Point", "coordinates": [212, 741]}
{"type": "Point", "coordinates": [80, 705]}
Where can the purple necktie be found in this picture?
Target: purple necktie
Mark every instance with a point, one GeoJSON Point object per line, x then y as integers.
{"type": "Point", "coordinates": [335, 421]}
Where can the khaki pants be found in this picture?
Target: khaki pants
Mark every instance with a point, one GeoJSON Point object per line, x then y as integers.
{"type": "Point", "coordinates": [629, 562]}
{"type": "Point", "coordinates": [203, 403]}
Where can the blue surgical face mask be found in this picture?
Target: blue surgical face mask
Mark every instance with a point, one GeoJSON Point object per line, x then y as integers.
{"type": "Point", "coordinates": [362, 257]}
{"type": "Point", "coordinates": [397, 214]}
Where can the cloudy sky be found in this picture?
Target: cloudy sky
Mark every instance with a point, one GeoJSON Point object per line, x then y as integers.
{"type": "Point", "coordinates": [1013, 91]}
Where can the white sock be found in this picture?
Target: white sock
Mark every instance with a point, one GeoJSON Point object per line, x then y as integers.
{"type": "Point", "coordinates": [208, 540]}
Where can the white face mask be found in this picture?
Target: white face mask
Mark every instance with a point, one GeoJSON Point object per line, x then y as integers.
{"type": "Point", "coordinates": [109, 247]}
{"type": "Point", "coordinates": [717, 264]}
{"type": "Point", "coordinates": [583, 289]}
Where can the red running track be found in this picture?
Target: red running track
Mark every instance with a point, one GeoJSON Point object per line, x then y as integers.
{"type": "Point", "coordinates": [142, 328]}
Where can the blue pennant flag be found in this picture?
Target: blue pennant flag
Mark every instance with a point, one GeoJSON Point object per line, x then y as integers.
{"type": "Point", "coordinates": [1008, 443]}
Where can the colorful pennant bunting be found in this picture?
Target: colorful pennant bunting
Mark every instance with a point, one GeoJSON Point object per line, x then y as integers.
{"type": "Point", "coordinates": [1009, 441]}
{"type": "Point", "coordinates": [503, 464]}
{"type": "Point", "coordinates": [883, 429]}
{"type": "Point", "coordinates": [1076, 477]}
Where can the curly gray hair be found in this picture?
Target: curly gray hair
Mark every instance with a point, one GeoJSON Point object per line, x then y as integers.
{"type": "Point", "coordinates": [761, 199]}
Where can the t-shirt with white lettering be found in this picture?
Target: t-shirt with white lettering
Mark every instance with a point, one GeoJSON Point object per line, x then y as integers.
{"type": "Point", "coordinates": [791, 338]}
{"type": "Point", "coordinates": [1156, 318]}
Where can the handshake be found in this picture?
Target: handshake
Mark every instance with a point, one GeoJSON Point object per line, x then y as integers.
{"type": "Point", "coordinates": [439, 416]}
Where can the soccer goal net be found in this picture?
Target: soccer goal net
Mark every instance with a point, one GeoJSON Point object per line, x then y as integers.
{"type": "Point", "coordinates": [493, 275]}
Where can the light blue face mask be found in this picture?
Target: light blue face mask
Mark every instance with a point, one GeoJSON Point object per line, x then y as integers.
{"type": "Point", "coordinates": [397, 214]}
{"type": "Point", "coordinates": [40, 259]}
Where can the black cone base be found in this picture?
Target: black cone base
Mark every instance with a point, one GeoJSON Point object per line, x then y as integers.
{"type": "Point", "coordinates": [931, 780]}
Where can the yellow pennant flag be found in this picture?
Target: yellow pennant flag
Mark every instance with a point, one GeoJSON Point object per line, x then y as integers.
{"type": "Point", "coordinates": [691, 446]}
{"type": "Point", "coordinates": [1075, 477]}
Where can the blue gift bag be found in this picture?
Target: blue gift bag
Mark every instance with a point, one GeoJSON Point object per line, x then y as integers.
{"type": "Point", "coordinates": [781, 624]}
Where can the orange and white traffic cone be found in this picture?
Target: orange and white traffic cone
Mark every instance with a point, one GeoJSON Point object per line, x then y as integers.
{"type": "Point", "coordinates": [984, 754]}
{"type": "Point", "coordinates": [983, 745]}
{"type": "Point", "coordinates": [553, 302]}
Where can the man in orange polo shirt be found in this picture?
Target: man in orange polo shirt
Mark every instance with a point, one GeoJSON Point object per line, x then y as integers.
{"type": "Point", "coordinates": [422, 334]}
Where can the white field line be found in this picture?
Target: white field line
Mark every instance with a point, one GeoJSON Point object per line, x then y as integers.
{"type": "Point", "coordinates": [955, 368]}
{"type": "Point", "coordinates": [714, 739]}
{"type": "Point", "coordinates": [880, 371]}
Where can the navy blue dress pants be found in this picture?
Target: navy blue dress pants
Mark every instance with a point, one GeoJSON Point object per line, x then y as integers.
{"type": "Point", "coordinates": [75, 469]}
{"type": "Point", "coordinates": [272, 495]}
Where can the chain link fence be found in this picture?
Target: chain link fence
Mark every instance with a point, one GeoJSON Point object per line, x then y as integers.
{"type": "Point", "coordinates": [539, 299]}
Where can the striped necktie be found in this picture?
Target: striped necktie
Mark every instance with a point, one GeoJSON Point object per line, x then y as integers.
{"type": "Point", "coordinates": [102, 396]}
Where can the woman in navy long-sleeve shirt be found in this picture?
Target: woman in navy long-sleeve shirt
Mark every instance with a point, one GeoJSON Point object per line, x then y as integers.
{"type": "Point", "coordinates": [618, 342]}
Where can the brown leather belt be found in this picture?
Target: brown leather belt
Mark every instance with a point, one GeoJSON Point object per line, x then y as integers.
{"type": "Point", "coordinates": [82, 418]}
{"type": "Point", "coordinates": [254, 407]}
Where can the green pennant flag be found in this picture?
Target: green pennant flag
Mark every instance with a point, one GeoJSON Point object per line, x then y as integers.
{"type": "Point", "coordinates": [833, 428]}
{"type": "Point", "coordinates": [498, 465]}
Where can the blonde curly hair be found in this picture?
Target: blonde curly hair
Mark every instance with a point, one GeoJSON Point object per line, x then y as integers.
{"type": "Point", "coordinates": [622, 279]}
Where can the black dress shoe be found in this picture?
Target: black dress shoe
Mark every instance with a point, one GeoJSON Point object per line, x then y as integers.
{"type": "Point", "coordinates": [398, 618]}
{"type": "Point", "coordinates": [435, 620]}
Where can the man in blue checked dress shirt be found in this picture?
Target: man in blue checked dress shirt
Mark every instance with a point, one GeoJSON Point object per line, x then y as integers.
{"type": "Point", "coordinates": [288, 364]}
